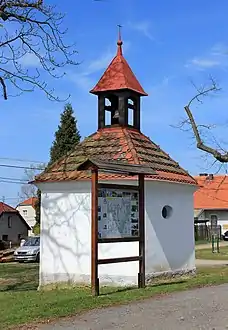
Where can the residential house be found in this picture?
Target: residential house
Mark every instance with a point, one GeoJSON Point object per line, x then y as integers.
{"type": "Point", "coordinates": [66, 195]}
{"type": "Point", "coordinates": [13, 227]}
{"type": "Point", "coordinates": [27, 211]}
{"type": "Point", "coordinates": [211, 200]}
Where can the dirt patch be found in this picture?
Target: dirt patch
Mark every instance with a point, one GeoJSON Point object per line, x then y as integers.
{"type": "Point", "coordinates": [6, 281]}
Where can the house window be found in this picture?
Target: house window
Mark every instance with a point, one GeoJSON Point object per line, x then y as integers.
{"type": "Point", "coordinates": [5, 238]}
{"type": "Point", "coordinates": [25, 212]}
{"type": "Point", "coordinates": [9, 222]}
{"type": "Point", "coordinates": [167, 211]}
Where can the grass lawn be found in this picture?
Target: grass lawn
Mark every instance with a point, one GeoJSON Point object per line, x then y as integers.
{"type": "Point", "coordinates": [22, 304]}
{"type": "Point", "coordinates": [207, 254]}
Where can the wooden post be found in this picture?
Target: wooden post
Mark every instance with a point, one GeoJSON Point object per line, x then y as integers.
{"type": "Point", "coordinates": [94, 235]}
{"type": "Point", "coordinates": [141, 276]}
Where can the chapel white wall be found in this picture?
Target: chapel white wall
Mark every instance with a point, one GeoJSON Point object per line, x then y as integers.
{"type": "Point", "coordinates": [170, 244]}
{"type": "Point", "coordinates": [66, 234]}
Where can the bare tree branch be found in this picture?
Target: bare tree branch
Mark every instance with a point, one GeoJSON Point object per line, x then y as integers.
{"type": "Point", "coordinates": [32, 46]}
{"type": "Point", "coordinates": [3, 87]}
{"type": "Point", "coordinates": [29, 190]}
{"type": "Point", "coordinates": [200, 143]}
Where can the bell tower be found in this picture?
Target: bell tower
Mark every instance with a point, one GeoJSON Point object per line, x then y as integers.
{"type": "Point", "coordinates": [119, 94]}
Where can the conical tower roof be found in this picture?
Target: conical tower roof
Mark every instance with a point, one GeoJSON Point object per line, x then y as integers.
{"type": "Point", "coordinates": [118, 75]}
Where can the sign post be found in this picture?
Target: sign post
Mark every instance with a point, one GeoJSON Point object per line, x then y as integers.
{"type": "Point", "coordinates": [141, 277]}
{"type": "Point", "coordinates": [121, 219]}
{"type": "Point", "coordinates": [94, 236]}
{"type": "Point", "coordinates": [215, 243]}
{"type": "Point", "coordinates": [118, 213]}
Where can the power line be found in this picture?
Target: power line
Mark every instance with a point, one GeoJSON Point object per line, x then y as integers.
{"type": "Point", "coordinates": [12, 198]}
{"type": "Point", "coordinates": [14, 179]}
{"type": "Point", "coordinates": [22, 160]}
{"type": "Point", "coordinates": [8, 181]}
{"type": "Point", "coordinates": [22, 167]}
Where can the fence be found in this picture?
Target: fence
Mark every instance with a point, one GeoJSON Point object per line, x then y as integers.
{"type": "Point", "coordinates": [204, 232]}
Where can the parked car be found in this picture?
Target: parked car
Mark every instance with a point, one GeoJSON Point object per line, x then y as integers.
{"type": "Point", "coordinates": [29, 251]}
{"type": "Point", "coordinates": [225, 236]}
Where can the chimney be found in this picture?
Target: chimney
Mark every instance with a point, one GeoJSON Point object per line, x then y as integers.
{"type": "Point", "coordinates": [210, 176]}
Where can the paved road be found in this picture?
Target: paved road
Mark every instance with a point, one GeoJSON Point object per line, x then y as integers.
{"type": "Point", "coordinates": [205, 308]}
{"type": "Point", "coordinates": [206, 262]}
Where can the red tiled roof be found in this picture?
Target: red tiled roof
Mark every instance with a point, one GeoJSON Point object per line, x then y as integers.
{"type": "Point", "coordinates": [31, 201]}
{"type": "Point", "coordinates": [126, 145]}
{"type": "Point", "coordinates": [118, 76]}
{"type": "Point", "coordinates": [213, 193]}
{"type": "Point", "coordinates": [6, 208]}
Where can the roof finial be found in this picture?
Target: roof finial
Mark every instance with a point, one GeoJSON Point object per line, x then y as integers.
{"type": "Point", "coordinates": [119, 42]}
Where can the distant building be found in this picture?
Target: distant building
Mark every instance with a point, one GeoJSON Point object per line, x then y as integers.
{"type": "Point", "coordinates": [211, 200]}
{"type": "Point", "coordinates": [13, 226]}
{"type": "Point", "coordinates": [27, 211]}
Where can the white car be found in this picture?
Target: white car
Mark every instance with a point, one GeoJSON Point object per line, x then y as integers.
{"type": "Point", "coordinates": [225, 236]}
{"type": "Point", "coordinates": [29, 251]}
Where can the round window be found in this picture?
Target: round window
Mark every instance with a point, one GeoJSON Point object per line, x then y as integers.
{"type": "Point", "coordinates": [167, 211]}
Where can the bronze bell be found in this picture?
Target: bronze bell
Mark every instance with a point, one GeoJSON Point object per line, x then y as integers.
{"type": "Point", "coordinates": [116, 114]}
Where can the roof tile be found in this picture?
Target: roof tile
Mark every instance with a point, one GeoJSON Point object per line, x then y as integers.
{"type": "Point", "coordinates": [118, 76]}
{"type": "Point", "coordinates": [213, 192]}
{"type": "Point", "coordinates": [30, 201]}
{"type": "Point", "coordinates": [6, 208]}
{"type": "Point", "coordinates": [114, 142]}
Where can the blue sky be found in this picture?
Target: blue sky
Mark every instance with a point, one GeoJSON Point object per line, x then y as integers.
{"type": "Point", "coordinates": [168, 44]}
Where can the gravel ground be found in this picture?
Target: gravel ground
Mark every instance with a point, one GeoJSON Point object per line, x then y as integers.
{"type": "Point", "coordinates": [205, 308]}
{"type": "Point", "coordinates": [208, 246]}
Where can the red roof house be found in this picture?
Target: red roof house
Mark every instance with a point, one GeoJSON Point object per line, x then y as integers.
{"type": "Point", "coordinates": [30, 201]}
{"type": "Point", "coordinates": [211, 199]}
{"type": "Point", "coordinates": [4, 208]}
{"type": "Point", "coordinates": [212, 193]}
{"type": "Point", "coordinates": [13, 227]}
{"type": "Point", "coordinates": [28, 211]}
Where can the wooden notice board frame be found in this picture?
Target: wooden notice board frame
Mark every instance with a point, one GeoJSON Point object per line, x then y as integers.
{"type": "Point", "coordinates": [120, 168]}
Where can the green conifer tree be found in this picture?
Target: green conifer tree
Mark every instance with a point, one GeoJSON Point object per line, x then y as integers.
{"type": "Point", "coordinates": [67, 137]}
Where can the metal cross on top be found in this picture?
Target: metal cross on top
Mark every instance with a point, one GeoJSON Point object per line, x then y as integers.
{"type": "Point", "coordinates": [119, 27]}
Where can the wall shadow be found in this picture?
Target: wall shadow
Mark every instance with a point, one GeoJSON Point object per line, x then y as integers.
{"type": "Point", "coordinates": [64, 216]}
